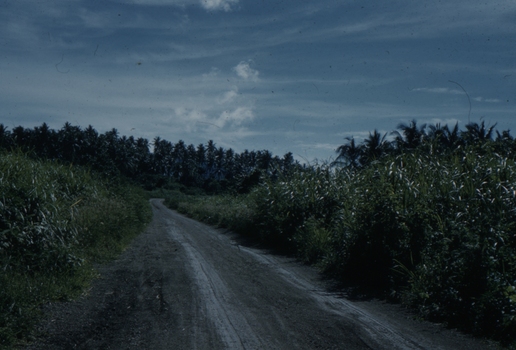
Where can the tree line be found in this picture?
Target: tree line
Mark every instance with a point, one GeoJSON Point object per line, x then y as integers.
{"type": "Point", "coordinates": [151, 164]}
{"type": "Point", "coordinates": [214, 169]}
{"type": "Point", "coordinates": [436, 139]}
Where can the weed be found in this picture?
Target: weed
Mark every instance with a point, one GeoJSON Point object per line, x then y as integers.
{"type": "Point", "coordinates": [435, 232]}
{"type": "Point", "coordinates": [55, 222]}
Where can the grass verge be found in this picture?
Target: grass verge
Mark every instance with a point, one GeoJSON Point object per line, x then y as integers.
{"type": "Point", "coordinates": [434, 232]}
{"type": "Point", "coordinates": [56, 222]}
{"type": "Point", "coordinates": [227, 211]}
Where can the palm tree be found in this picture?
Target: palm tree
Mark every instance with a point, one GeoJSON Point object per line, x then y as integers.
{"type": "Point", "coordinates": [444, 138]}
{"type": "Point", "coordinates": [505, 144]}
{"type": "Point", "coordinates": [411, 135]}
{"type": "Point", "coordinates": [374, 147]}
{"type": "Point", "coordinates": [164, 158]}
{"type": "Point", "coordinates": [229, 164]}
{"type": "Point", "coordinates": [21, 136]}
{"type": "Point", "coordinates": [143, 156]}
{"type": "Point", "coordinates": [70, 140]}
{"type": "Point", "coordinates": [477, 133]}
{"type": "Point", "coordinates": [5, 137]}
{"type": "Point", "coordinates": [504, 136]}
{"type": "Point", "coordinates": [126, 156]}
{"type": "Point", "coordinates": [287, 163]}
{"type": "Point", "coordinates": [210, 157]}
{"type": "Point", "coordinates": [189, 174]}
{"type": "Point", "coordinates": [44, 141]}
{"type": "Point", "coordinates": [264, 159]}
{"type": "Point", "coordinates": [452, 137]}
{"type": "Point", "coordinates": [245, 162]}
{"type": "Point", "coordinates": [437, 131]}
{"type": "Point", "coordinates": [178, 159]}
{"type": "Point", "coordinates": [219, 164]}
{"type": "Point", "coordinates": [348, 153]}
{"type": "Point", "coordinates": [201, 160]}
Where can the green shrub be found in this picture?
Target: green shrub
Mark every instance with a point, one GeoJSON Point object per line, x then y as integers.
{"type": "Point", "coordinates": [55, 221]}
{"type": "Point", "coordinates": [226, 211]}
{"type": "Point", "coordinates": [436, 232]}
{"type": "Point", "coordinates": [449, 222]}
{"type": "Point", "coordinates": [283, 207]}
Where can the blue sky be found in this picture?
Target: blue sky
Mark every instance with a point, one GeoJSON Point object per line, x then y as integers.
{"type": "Point", "coordinates": [295, 76]}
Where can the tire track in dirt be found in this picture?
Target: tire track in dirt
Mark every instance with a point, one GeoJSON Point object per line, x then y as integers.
{"type": "Point", "coordinates": [223, 268]}
{"type": "Point", "coordinates": [377, 330]}
{"type": "Point", "coordinates": [184, 285]}
{"type": "Point", "coordinates": [234, 328]}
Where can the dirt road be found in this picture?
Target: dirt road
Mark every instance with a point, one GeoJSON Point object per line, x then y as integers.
{"type": "Point", "coordinates": [185, 285]}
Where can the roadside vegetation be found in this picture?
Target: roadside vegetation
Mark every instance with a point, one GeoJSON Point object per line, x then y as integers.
{"type": "Point", "coordinates": [74, 197]}
{"type": "Point", "coordinates": [56, 222]}
{"type": "Point", "coordinates": [428, 219]}
{"type": "Point", "coordinates": [425, 215]}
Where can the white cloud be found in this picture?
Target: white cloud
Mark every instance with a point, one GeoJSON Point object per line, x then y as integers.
{"type": "Point", "coordinates": [190, 119]}
{"type": "Point", "coordinates": [95, 19]}
{"type": "Point", "coordinates": [178, 3]}
{"type": "Point", "coordinates": [244, 71]}
{"type": "Point", "coordinates": [440, 91]}
{"type": "Point", "coordinates": [237, 116]}
{"type": "Point", "coordinates": [488, 100]}
{"type": "Point", "coordinates": [434, 121]}
{"type": "Point", "coordinates": [228, 96]}
{"type": "Point", "coordinates": [214, 72]}
{"type": "Point", "coordinates": [456, 92]}
{"type": "Point", "coordinates": [195, 120]}
{"type": "Point", "coordinates": [224, 5]}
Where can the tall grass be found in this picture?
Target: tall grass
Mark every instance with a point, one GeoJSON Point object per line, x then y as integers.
{"type": "Point", "coordinates": [226, 211]}
{"type": "Point", "coordinates": [438, 233]}
{"type": "Point", "coordinates": [55, 223]}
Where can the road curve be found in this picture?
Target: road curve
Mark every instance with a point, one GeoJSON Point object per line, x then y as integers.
{"type": "Point", "coordinates": [255, 300]}
{"type": "Point", "coordinates": [184, 285]}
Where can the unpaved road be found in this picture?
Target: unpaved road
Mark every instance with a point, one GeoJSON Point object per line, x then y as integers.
{"type": "Point", "coordinates": [185, 285]}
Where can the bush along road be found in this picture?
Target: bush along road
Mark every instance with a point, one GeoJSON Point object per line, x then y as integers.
{"type": "Point", "coordinates": [184, 285]}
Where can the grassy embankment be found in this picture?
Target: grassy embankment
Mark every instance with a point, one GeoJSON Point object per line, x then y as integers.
{"type": "Point", "coordinates": [56, 222]}
{"type": "Point", "coordinates": [435, 232]}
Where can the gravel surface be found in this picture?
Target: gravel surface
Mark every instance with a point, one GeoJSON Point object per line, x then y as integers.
{"type": "Point", "coordinates": [184, 285]}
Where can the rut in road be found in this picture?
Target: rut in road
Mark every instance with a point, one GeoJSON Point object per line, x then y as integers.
{"type": "Point", "coordinates": [249, 304]}
{"type": "Point", "coordinates": [184, 285]}
{"type": "Point", "coordinates": [260, 301]}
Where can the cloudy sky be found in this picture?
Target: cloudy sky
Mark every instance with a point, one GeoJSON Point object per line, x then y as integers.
{"type": "Point", "coordinates": [288, 75]}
